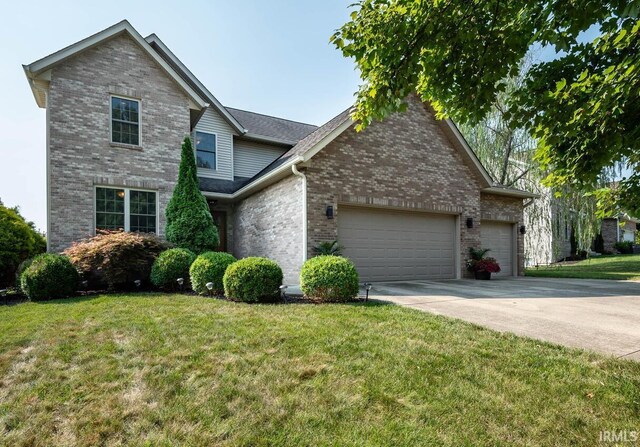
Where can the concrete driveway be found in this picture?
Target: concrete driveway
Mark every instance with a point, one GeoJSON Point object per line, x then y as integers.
{"type": "Point", "coordinates": [599, 315]}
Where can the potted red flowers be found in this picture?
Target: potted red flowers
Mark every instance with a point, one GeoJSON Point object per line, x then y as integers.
{"type": "Point", "coordinates": [481, 265]}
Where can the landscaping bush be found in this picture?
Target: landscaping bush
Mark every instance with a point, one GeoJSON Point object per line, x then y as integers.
{"type": "Point", "coordinates": [171, 265]}
{"type": "Point", "coordinates": [114, 260]}
{"type": "Point", "coordinates": [625, 247]}
{"type": "Point", "coordinates": [19, 240]}
{"type": "Point", "coordinates": [328, 248]}
{"type": "Point", "coordinates": [49, 276]}
{"type": "Point", "coordinates": [210, 267]}
{"type": "Point", "coordinates": [189, 221]}
{"type": "Point", "coordinates": [21, 268]}
{"type": "Point", "coordinates": [329, 278]}
{"type": "Point", "coordinates": [252, 280]}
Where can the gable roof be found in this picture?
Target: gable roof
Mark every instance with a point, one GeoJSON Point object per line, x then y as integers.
{"type": "Point", "coordinates": [317, 140]}
{"type": "Point", "coordinates": [37, 72]}
{"type": "Point", "coordinates": [194, 82]}
{"type": "Point", "coordinates": [271, 128]}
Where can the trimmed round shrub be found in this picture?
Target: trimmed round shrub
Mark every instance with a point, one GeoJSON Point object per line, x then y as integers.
{"type": "Point", "coordinates": [49, 276]}
{"type": "Point", "coordinates": [253, 280]}
{"type": "Point", "coordinates": [210, 267]}
{"type": "Point", "coordinates": [114, 260]}
{"type": "Point", "coordinates": [329, 278]}
{"type": "Point", "coordinates": [170, 265]}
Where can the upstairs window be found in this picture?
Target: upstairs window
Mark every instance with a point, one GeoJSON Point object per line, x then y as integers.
{"type": "Point", "coordinates": [206, 150]}
{"type": "Point", "coordinates": [125, 121]}
{"type": "Point", "coordinates": [126, 209]}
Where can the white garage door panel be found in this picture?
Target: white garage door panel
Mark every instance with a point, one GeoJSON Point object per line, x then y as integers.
{"type": "Point", "coordinates": [499, 238]}
{"type": "Point", "coordinates": [389, 246]}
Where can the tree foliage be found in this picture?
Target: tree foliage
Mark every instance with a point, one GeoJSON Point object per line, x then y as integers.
{"type": "Point", "coordinates": [19, 240]}
{"type": "Point", "coordinates": [508, 154]}
{"type": "Point", "coordinates": [189, 221]}
{"type": "Point", "coordinates": [582, 107]}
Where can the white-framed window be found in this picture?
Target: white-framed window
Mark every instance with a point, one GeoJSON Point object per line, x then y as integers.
{"type": "Point", "coordinates": [125, 121]}
{"type": "Point", "coordinates": [206, 150]}
{"type": "Point", "coordinates": [126, 209]}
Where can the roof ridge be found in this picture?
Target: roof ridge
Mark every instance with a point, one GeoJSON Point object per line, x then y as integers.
{"type": "Point", "coordinates": [271, 116]}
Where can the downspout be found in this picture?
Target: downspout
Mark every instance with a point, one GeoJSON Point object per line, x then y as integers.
{"type": "Point", "coordinates": [294, 169]}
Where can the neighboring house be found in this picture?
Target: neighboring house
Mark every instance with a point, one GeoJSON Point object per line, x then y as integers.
{"type": "Point", "coordinates": [548, 237]}
{"type": "Point", "coordinates": [406, 197]}
{"type": "Point", "coordinates": [622, 228]}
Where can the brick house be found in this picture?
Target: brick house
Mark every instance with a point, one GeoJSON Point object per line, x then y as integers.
{"type": "Point", "coordinates": [406, 197]}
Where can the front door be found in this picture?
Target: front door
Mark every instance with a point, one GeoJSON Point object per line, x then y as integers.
{"type": "Point", "coordinates": [220, 219]}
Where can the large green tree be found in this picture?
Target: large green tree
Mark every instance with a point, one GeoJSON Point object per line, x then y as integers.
{"type": "Point", "coordinates": [19, 240]}
{"type": "Point", "coordinates": [189, 221]}
{"type": "Point", "coordinates": [583, 108]}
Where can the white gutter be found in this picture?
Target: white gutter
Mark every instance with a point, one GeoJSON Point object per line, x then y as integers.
{"type": "Point", "coordinates": [510, 192]}
{"type": "Point", "coordinates": [253, 185]}
{"type": "Point", "coordinates": [297, 173]}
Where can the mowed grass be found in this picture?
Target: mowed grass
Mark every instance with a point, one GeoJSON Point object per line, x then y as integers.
{"type": "Point", "coordinates": [160, 370]}
{"type": "Point", "coordinates": [605, 267]}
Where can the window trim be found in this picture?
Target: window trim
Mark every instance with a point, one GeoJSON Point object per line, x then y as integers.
{"type": "Point", "coordinates": [128, 98]}
{"type": "Point", "coordinates": [195, 149]}
{"type": "Point", "coordinates": [127, 213]}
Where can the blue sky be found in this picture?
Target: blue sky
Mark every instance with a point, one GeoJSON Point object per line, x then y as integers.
{"type": "Point", "coordinates": [272, 57]}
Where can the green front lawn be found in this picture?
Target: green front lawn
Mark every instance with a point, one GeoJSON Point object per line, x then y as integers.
{"type": "Point", "coordinates": [155, 369]}
{"type": "Point", "coordinates": [605, 267]}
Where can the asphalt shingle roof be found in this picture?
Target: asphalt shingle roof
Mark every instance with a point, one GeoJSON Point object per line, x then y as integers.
{"type": "Point", "coordinates": [271, 126]}
{"type": "Point", "coordinates": [306, 143]}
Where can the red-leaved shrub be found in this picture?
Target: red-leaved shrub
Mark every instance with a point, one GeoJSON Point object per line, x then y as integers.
{"type": "Point", "coordinates": [115, 260]}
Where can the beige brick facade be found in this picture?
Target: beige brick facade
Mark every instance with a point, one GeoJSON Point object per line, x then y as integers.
{"type": "Point", "coordinates": [269, 224]}
{"type": "Point", "coordinates": [404, 162]}
{"type": "Point", "coordinates": [80, 153]}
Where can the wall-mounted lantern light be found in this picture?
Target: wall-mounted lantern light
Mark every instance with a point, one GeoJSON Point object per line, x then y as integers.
{"type": "Point", "coordinates": [329, 212]}
{"type": "Point", "coordinates": [469, 222]}
{"type": "Point", "coordinates": [523, 229]}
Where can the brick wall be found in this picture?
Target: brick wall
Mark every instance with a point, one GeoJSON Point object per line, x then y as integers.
{"type": "Point", "coordinates": [269, 224]}
{"type": "Point", "coordinates": [609, 233]}
{"type": "Point", "coordinates": [80, 153]}
{"type": "Point", "coordinates": [505, 209]}
{"type": "Point", "coordinates": [406, 162]}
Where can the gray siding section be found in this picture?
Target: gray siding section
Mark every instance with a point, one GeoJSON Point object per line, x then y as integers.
{"type": "Point", "coordinates": [213, 123]}
{"type": "Point", "coordinates": [269, 224]}
{"type": "Point", "coordinates": [249, 158]}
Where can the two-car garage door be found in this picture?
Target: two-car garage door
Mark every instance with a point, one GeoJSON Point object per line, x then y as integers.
{"type": "Point", "coordinates": [389, 245]}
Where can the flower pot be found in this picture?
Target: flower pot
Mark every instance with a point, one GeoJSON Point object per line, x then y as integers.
{"type": "Point", "coordinates": [484, 275]}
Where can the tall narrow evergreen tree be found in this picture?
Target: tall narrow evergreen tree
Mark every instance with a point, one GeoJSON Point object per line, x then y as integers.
{"type": "Point", "coordinates": [189, 221]}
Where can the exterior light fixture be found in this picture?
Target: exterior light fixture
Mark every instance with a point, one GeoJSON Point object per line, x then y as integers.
{"type": "Point", "coordinates": [329, 212]}
{"type": "Point", "coordinates": [209, 286]}
{"type": "Point", "coordinates": [283, 292]}
{"type": "Point", "coordinates": [180, 282]}
{"type": "Point", "coordinates": [367, 287]}
{"type": "Point", "coordinates": [85, 284]}
{"type": "Point", "coordinates": [469, 222]}
{"type": "Point", "coordinates": [523, 229]}
{"type": "Point", "coordinates": [137, 282]}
